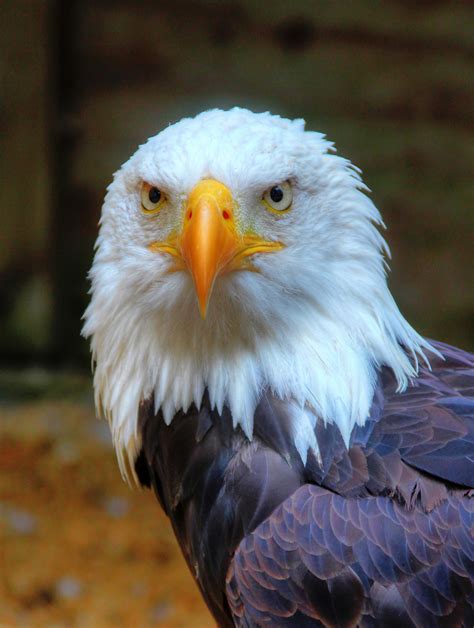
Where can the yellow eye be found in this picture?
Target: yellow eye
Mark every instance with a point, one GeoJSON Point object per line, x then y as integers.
{"type": "Point", "coordinates": [152, 198]}
{"type": "Point", "coordinates": [278, 198]}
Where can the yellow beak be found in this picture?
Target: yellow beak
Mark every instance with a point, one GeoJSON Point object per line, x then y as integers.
{"type": "Point", "coordinates": [210, 243]}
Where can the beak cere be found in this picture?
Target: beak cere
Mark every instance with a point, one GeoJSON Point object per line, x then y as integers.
{"type": "Point", "coordinates": [210, 243]}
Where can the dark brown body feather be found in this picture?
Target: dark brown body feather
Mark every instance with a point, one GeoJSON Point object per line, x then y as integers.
{"type": "Point", "coordinates": [380, 534]}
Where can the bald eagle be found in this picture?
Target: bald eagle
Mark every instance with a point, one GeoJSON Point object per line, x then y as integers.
{"type": "Point", "coordinates": [314, 453]}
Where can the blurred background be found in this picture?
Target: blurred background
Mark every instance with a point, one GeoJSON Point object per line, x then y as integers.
{"type": "Point", "coordinates": [82, 84]}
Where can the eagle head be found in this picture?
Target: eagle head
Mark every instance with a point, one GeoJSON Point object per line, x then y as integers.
{"type": "Point", "coordinates": [238, 252]}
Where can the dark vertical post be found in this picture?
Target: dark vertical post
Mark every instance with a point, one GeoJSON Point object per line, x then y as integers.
{"type": "Point", "coordinates": [66, 272]}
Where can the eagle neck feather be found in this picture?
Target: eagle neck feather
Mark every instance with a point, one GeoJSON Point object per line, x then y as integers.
{"type": "Point", "coordinates": [327, 364]}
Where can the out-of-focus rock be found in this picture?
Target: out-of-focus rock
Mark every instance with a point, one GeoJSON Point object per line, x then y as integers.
{"type": "Point", "coordinates": [20, 521]}
{"type": "Point", "coordinates": [161, 612]}
{"type": "Point", "coordinates": [68, 588]}
{"type": "Point", "coordinates": [116, 507]}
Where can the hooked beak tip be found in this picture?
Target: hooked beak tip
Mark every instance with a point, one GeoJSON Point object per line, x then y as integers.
{"type": "Point", "coordinates": [203, 309]}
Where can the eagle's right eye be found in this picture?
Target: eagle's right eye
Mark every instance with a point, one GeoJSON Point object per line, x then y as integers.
{"type": "Point", "coordinates": [151, 198]}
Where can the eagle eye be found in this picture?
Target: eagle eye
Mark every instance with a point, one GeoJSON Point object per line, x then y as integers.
{"type": "Point", "coordinates": [278, 198]}
{"type": "Point", "coordinates": [151, 198]}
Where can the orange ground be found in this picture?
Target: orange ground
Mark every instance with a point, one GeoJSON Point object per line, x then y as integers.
{"type": "Point", "coordinates": [77, 546]}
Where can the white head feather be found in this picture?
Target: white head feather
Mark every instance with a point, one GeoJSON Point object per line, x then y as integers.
{"type": "Point", "coordinates": [314, 324]}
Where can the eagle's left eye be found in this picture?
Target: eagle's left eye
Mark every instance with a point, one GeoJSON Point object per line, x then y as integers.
{"type": "Point", "coordinates": [278, 198]}
{"type": "Point", "coordinates": [151, 198]}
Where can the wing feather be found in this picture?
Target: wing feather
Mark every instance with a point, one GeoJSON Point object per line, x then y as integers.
{"type": "Point", "coordinates": [403, 564]}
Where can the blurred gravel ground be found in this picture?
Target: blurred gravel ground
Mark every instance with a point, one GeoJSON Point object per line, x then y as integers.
{"type": "Point", "coordinates": [77, 546]}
